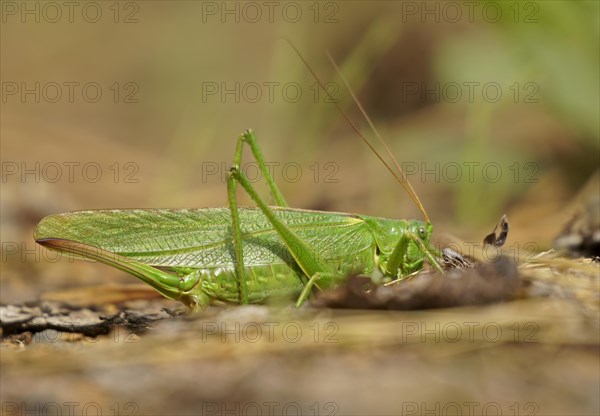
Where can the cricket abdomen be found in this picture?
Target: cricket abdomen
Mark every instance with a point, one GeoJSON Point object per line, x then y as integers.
{"type": "Point", "coordinates": [275, 280]}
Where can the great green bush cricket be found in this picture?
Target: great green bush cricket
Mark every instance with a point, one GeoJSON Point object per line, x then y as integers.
{"type": "Point", "coordinates": [246, 255]}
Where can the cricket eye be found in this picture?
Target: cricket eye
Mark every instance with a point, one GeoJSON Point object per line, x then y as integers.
{"type": "Point", "coordinates": [422, 232]}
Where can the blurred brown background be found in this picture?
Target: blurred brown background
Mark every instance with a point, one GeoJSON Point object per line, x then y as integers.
{"type": "Point", "coordinates": [492, 106]}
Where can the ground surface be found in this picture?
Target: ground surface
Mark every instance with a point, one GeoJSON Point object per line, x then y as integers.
{"type": "Point", "coordinates": [537, 354]}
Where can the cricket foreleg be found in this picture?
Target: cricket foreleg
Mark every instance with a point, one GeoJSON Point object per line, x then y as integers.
{"type": "Point", "coordinates": [431, 259]}
{"type": "Point", "coordinates": [398, 264]}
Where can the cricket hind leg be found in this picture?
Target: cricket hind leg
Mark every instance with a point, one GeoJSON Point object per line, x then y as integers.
{"type": "Point", "coordinates": [321, 276]}
{"type": "Point", "coordinates": [249, 138]}
{"type": "Point", "coordinates": [305, 256]}
{"type": "Point", "coordinates": [182, 285]}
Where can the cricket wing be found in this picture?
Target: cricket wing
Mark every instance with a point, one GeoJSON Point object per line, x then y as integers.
{"type": "Point", "coordinates": [202, 238]}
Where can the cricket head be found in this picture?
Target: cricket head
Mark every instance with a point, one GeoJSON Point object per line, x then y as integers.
{"type": "Point", "coordinates": [403, 245]}
{"type": "Point", "coordinates": [419, 235]}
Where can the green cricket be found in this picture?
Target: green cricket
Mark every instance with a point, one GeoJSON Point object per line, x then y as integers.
{"type": "Point", "coordinates": [247, 255]}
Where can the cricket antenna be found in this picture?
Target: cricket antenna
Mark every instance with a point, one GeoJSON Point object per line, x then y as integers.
{"type": "Point", "coordinates": [402, 179]}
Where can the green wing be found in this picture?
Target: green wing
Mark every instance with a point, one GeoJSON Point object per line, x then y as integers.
{"type": "Point", "coordinates": [202, 238]}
